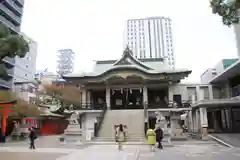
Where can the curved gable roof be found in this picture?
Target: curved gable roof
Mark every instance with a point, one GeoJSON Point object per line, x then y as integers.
{"type": "Point", "coordinates": [128, 59]}
{"type": "Point", "coordinates": [127, 62]}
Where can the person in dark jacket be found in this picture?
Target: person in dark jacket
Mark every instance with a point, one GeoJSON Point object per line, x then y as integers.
{"type": "Point", "coordinates": [159, 137]}
{"type": "Point", "coordinates": [32, 137]}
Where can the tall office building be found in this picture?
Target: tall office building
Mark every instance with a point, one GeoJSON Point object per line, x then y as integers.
{"type": "Point", "coordinates": [11, 12]}
{"type": "Point", "coordinates": [150, 38]}
{"type": "Point", "coordinates": [25, 68]}
{"type": "Point", "coordinates": [65, 62]}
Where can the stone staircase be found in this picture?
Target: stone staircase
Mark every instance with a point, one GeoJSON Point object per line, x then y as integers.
{"type": "Point", "coordinates": [134, 119]}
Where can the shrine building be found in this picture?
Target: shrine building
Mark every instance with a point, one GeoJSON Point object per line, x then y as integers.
{"type": "Point", "coordinates": [130, 83]}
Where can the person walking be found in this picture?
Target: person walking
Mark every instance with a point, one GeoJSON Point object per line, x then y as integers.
{"type": "Point", "coordinates": [120, 136]}
{"type": "Point", "coordinates": [151, 138]}
{"type": "Point", "coordinates": [159, 137]}
{"type": "Point", "coordinates": [32, 137]}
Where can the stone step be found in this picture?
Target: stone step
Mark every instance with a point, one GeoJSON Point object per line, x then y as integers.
{"type": "Point", "coordinates": [113, 117]}
{"type": "Point", "coordinates": [128, 139]}
{"type": "Point", "coordinates": [128, 135]}
{"type": "Point", "coordinates": [138, 139]}
{"type": "Point", "coordinates": [141, 137]}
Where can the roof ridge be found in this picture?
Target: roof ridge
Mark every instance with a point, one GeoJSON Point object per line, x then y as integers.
{"type": "Point", "coordinates": [128, 52]}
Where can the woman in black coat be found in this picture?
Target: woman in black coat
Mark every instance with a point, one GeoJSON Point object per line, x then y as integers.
{"type": "Point", "coordinates": [159, 137]}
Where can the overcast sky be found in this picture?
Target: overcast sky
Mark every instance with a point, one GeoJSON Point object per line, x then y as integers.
{"type": "Point", "coordinates": [94, 30]}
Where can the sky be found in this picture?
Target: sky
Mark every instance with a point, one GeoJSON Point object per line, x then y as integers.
{"type": "Point", "coordinates": [93, 29]}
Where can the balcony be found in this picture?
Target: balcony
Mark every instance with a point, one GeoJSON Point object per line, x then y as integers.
{"type": "Point", "coordinates": [10, 72]}
{"type": "Point", "coordinates": [90, 106]}
{"type": "Point", "coordinates": [10, 62]}
{"type": "Point", "coordinates": [19, 3]}
{"type": "Point", "coordinates": [9, 24]}
{"type": "Point", "coordinates": [15, 18]}
{"type": "Point", "coordinates": [6, 84]}
{"type": "Point", "coordinates": [11, 4]}
{"type": "Point", "coordinates": [159, 105]}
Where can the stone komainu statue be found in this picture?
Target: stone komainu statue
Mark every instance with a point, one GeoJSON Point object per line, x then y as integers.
{"type": "Point", "coordinates": [159, 118]}
{"type": "Point", "coordinates": [74, 119]}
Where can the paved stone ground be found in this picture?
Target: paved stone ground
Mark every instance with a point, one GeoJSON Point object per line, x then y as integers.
{"type": "Point", "coordinates": [29, 156]}
{"type": "Point", "coordinates": [104, 152]}
{"type": "Point", "coordinates": [189, 152]}
{"type": "Point", "coordinates": [49, 149]}
{"type": "Point", "coordinates": [44, 142]}
{"type": "Point", "coordinates": [231, 138]}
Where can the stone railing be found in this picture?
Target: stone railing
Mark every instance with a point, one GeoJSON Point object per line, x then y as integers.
{"type": "Point", "coordinates": [99, 120]}
{"type": "Point", "coordinates": [90, 106]}
{"type": "Point", "coordinates": [170, 104]}
{"type": "Point", "coordinates": [145, 117]}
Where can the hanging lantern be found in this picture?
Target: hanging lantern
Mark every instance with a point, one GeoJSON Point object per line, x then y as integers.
{"type": "Point", "coordinates": [121, 91]}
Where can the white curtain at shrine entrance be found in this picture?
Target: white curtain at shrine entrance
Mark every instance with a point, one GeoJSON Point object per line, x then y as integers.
{"type": "Point", "coordinates": [126, 98]}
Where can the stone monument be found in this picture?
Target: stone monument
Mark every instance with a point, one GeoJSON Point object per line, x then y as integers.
{"type": "Point", "coordinates": [73, 132]}
{"type": "Point", "coordinates": [175, 131]}
{"type": "Point", "coordinates": [16, 133]}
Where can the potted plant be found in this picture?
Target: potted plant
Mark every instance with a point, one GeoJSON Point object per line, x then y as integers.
{"type": "Point", "coordinates": [227, 9]}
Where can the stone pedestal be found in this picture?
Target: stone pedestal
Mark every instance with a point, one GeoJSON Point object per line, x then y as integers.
{"type": "Point", "coordinates": [176, 130]}
{"type": "Point", "coordinates": [204, 123]}
{"type": "Point", "coordinates": [204, 134]}
{"type": "Point", "coordinates": [73, 133]}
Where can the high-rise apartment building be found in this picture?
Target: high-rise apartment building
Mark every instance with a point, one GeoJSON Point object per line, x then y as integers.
{"type": "Point", "coordinates": [11, 12]}
{"type": "Point", "coordinates": [25, 68]}
{"type": "Point", "coordinates": [65, 62]}
{"type": "Point", "coordinates": [150, 38]}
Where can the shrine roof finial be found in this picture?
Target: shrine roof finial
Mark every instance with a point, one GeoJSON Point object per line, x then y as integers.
{"type": "Point", "coordinates": [127, 51]}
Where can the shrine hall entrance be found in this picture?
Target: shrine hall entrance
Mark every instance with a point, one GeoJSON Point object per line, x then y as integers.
{"type": "Point", "coordinates": [126, 98]}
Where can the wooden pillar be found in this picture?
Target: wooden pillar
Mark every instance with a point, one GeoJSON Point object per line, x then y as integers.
{"type": "Point", "coordinates": [84, 98]}
{"type": "Point", "coordinates": [230, 119]}
{"type": "Point", "coordinates": [170, 93]}
{"type": "Point", "coordinates": [145, 95]}
{"type": "Point", "coordinates": [108, 97]}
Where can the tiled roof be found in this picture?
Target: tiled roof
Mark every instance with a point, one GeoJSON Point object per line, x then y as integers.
{"type": "Point", "coordinates": [127, 61]}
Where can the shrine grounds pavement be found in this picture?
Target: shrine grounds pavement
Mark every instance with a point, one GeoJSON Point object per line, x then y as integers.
{"type": "Point", "coordinates": [49, 148]}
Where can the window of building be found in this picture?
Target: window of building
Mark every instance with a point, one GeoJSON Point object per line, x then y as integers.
{"type": "Point", "coordinates": [25, 75]}
{"type": "Point", "coordinates": [26, 66]}
{"type": "Point", "coordinates": [214, 73]}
